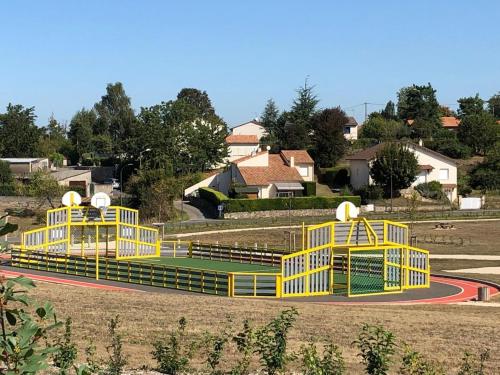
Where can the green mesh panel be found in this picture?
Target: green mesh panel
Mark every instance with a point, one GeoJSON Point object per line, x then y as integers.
{"type": "Point", "coordinates": [367, 272]}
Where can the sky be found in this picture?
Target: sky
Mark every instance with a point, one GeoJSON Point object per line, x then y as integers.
{"type": "Point", "coordinates": [58, 56]}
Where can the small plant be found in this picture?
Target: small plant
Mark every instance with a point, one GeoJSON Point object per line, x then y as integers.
{"type": "Point", "coordinates": [23, 328]}
{"type": "Point", "coordinates": [472, 365]}
{"type": "Point", "coordinates": [116, 361]}
{"type": "Point", "coordinates": [245, 344]}
{"type": "Point", "coordinates": [271, 342]}
{"type": "Point", "coordinates": [216, 345]}
{"type": "Point", "coordinates": [376, 346]}
{"type": "Point", "coordinates": [332, 362]}
{"type": "Point", "coordinates": [171, 356]}
{"type": "Point", "coordinates": [66, 355]}
{"type": "Point", "coordinates": [413, 363]}
{"type": "Point", "coordinates": [92, 364]}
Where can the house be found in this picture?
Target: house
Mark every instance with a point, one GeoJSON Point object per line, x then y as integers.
{"type": "Point", "coordinates": [23, 166]}
{"type": "Point", "coordinates": [351, 129]}
{"type": "Point", "coordinates": [240, 145]}
{"type": "Point", "coordinates": [448, 122]}
{"type": "Point", "coordinates": [70, 177]}
{"type": "Point", "coordinates": [253, 127]}
{"type": "Point", "coordinates": [433, 166]}
{"type": "Point", "coordinates": [244, 139]}
{"type": "Point", "coordinates": [263, 175]}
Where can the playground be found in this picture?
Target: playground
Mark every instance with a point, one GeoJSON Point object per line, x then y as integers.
{"type": "Point", "coordinates": [351, 259]}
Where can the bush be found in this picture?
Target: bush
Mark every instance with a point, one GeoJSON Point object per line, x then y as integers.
{"type": "Point", "coordinates": [431, 190]}
{"type": "Point", "coordinates": [7, 190]}
{"type": "Point", "coordinates": [211, 195]}
{"type": "Point", "coordinates": [334, 177]}
{"type": "Point", "coordinates": [309, 188]}
{"type": "Point", "coordinates": [297, 203]}
{"type": "Point", "coordinates": [369, 193]}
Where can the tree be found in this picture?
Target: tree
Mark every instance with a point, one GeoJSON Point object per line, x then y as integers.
{"type": "Point", "coordinates": [419, 103]}
{"type": "Point", "coordinates": [472, 105]}
{"type": "Point", "coordinates": [18, 133]}
{"type": "Point", "coordinates": [478, 131]}
{"type": "Point", "coordinates": [494, 105]}
{"type": "Point", "coordinates": [6, 177]}
{"type": "Point", "coordinates": [115, 117]}
{"type": "Point", "coordinates": [329, 144]}
{"type": "Point", "coordinates": [269, 118]}
{"type": "Point", "coordinates": [303, 107]}
{"type": "Point", "coordinates": [382, 129]}
{"type": "Point", "coordinates": [389, 112]}
{"type": "Point", "coordinates": [394, 163]}
{"type": "Point", "coordinates": [45, 188]}
{"type": "Point", "coordinates": [296, 136]}
{"type": "Point", "coordinates": [81, 131]}
{"type": "Point", "coordinates": [445, 111]}
{"type": "Point", "coordinates": [198, 100]}
{"type": "Point", "coordinates": [53, 139]}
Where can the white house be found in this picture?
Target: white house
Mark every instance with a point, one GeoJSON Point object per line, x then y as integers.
{"type": "Point", "coordinates": [263, 175]}
{"type": "Point", "coordinates": [433, 166]}
{"type": "Point", "coordinates": [244, 139]}
{"type": "Point", "coordinates": [351, 129]}
{"type": "Point", "coordinates": [252, 127]}
{"type": "Point", "coordinates": [240, 145]}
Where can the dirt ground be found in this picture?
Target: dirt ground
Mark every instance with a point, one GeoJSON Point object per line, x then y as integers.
{"type": "Point", "coordinates": [440, 332]}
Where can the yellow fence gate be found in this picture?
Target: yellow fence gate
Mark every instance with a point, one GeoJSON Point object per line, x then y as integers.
{"type": "Point", "coordinates": [356, 258]}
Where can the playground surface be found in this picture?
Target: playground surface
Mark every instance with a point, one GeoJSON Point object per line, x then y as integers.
{"type": "Point", "coordinates": [208, 265]}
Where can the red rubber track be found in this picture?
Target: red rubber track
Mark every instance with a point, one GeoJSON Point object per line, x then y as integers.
{"type": "Point", "coordinates": [58, 280]}
{"type": "Point", "coordinates": [468, 289]}
{"type": "Point", "coordinates": [468, 292]}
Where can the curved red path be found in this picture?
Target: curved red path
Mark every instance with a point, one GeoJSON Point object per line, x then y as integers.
{"type": "Point", "coordinates": [468, 289]}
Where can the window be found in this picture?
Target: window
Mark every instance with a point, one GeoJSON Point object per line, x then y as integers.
{"type": "Point", "coordinates": [421, 177]}
{"type": "Point", "coordinates": [303, 171]}
{"type": "Point", "coordinates": [347, 130]}
{"type": "Point", "coordinates": [444, 174]}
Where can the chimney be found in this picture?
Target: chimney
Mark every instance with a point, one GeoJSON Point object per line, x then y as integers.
{"type": "Point", "coordinates": [292, 161]}
{"type": "Point", "coordinates": [420, 143]}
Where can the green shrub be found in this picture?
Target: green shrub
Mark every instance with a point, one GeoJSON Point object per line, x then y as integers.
{"type": "Point", "coordinates": [8, 190]}
{"type": "Point", "coordinates": [431, 190]}
{"type": "Point", "coordinates": [332, 362]}
{"type": "Point", "coordinates": [335, 177]}
{"type": "Point", "coordinates": [309, 188]}
{"type": "Point", "coordinates": [297, 203]}
{"type": "Point", "coordinates": [213, 196]}
{"type": "Point", "coordinates": [369, 193]}
{"type": "Point", "coordinates": [376, 346]}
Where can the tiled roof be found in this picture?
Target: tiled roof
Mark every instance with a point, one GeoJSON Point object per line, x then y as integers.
{"type": "Point", "coordinates": [277, 171]}
{"type": "Point", "coordinates": [366, 154]}
{"type": "Point", "coordinates": [447, 121]}
{"type": "Point", "coordinates": [352, 121]}
{"type": "Point", "coordinates": [248, 157]}
{"type": "Point", "coordinates": [242, 138]}
{"type": "Point", "coordinates": [300, 156]}
{"type": "Point", "coordinates": [371, 152]}
{"type": "Point", "coordinates": [450, 122]}
{"type": "Point", "coordinates": [425, 167]}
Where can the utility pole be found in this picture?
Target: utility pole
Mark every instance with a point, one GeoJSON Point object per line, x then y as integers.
{"type": "Point", "coordinates": [366, 110]}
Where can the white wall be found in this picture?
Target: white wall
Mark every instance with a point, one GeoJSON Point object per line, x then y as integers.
{"type": "Point", "coordinates": [250, 128]}
{"type": "Point", "coordinates": [219, 182]}
{"type": "Point", "coordinates": [240, 150]}
{"type": "Point", "coordinates": [303, 167]}
{"type": "Point", "coordinates": [353, 135]}
{"type": "Point", "coordinates": [360, 173]}
{"type": "Point", "coordinates": [261, 160]}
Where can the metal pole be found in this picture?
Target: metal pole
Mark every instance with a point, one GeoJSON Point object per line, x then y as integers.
{"type": "Point", "coordinates": [391, 185]}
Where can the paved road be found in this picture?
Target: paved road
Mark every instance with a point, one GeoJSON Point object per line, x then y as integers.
{"type": "Point", "coordinates": [192, 212]}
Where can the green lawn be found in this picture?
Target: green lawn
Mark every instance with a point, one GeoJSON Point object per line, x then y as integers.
{"type": "Point", "coordinates": [209, 265]}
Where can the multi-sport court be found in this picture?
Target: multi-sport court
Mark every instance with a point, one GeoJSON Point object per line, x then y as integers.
{"type": "Point", "coordinates": [355, 257]}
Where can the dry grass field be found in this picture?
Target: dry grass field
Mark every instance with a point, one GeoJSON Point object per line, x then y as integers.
{"type": "Point", "coordinates": [440, 332]}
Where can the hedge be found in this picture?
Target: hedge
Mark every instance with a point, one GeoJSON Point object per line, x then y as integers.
{"type": "Point", "coordinates": [213, 196]}
{"type": "Point", "coordinates": [309, 188]}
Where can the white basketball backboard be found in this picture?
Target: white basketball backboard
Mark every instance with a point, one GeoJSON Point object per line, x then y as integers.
{"type": "Point", "coordinates": [100, 200]}
{"type": "Point", "coordinates": [71, 198]}
{"type": "Point", "coordinates": [346, 211]}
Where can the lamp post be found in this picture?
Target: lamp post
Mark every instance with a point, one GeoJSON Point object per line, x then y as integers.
{"type": "Point", "coordinates": [140, 156]}
{"type": "Point", "coordinates": [121, 182]}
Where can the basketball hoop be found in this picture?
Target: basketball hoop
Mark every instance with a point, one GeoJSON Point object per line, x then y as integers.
{"type": "Point", "coordinates": [103, 209]}
{"type": "Point", "coordinates": [101, 201]}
